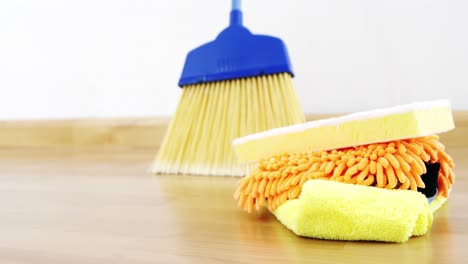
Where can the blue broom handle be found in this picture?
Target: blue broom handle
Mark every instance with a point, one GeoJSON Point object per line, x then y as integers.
{"type": "Point", "coordinates": [236, 5]}
{"type": "Point", "coordinates": [236, 13]}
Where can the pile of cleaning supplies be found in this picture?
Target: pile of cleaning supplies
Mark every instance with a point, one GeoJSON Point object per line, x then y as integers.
{"type": "Point", "coordinates": [377, 175]}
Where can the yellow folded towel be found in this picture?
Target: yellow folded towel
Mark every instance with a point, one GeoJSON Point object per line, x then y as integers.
{"type": "Point", "coordinates": [339, 211]}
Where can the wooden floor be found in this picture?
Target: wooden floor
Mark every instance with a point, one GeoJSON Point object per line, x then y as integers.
{"type": "Point", "coordinates": [102, 206]}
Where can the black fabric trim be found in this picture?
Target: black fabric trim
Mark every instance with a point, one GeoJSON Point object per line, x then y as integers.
{"type": "Point", "coordinates": [430, 179]}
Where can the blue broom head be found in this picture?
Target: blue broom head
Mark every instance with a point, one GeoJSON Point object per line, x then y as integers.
{"type": "Point", "coordinates": [235, 53]}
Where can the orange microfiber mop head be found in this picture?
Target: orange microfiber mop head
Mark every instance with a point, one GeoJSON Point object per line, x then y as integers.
{"type": "Point", "coordinates": [392, 165]}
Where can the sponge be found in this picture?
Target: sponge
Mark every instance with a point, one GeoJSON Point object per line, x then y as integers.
{"type": "Point", "coordinates": [381, 125]}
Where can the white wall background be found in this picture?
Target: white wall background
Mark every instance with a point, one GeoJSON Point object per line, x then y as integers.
{"type": "Point", "coordinates": [116, 58]}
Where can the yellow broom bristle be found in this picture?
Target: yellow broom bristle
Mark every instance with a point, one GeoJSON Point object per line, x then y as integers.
{"type": "Point", "coordinates": [211, 115]}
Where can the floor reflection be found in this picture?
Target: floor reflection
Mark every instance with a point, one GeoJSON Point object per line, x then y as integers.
{"type": "Point", "coordinates": [206, 216]}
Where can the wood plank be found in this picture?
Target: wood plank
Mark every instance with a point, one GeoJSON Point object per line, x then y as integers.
{"type": "Point", "coordinates": [134, 132]}
{"type": "Point", "coordinates": [100, 205]}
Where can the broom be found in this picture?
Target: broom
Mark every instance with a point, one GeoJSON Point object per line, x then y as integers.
{"type": "Point", "coordinates": [236, 85]}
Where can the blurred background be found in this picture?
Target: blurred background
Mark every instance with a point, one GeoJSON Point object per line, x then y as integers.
{"type": "Point", "coordinates": [123, 58]}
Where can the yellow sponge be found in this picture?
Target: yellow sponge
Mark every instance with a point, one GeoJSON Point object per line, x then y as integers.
{"type": "Point", "coordinates": [382, 125]}
{"type": "Point", "coordinates": [340, 211]}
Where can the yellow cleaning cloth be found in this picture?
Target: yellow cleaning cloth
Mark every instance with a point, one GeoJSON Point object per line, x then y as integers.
{"type": "Point", "coordinates": [340, 211]}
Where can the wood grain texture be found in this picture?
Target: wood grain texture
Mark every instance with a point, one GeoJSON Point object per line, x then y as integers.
{"type": "Point", "coordinates": [134, 132]}
{"type": "Point", "coordinates": [100, 205]}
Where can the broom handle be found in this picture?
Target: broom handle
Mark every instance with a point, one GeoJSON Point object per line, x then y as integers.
{"type": "Point", "coordinates": [236, 13]}
{"type": "Point", "coordinates": [236, 5]}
